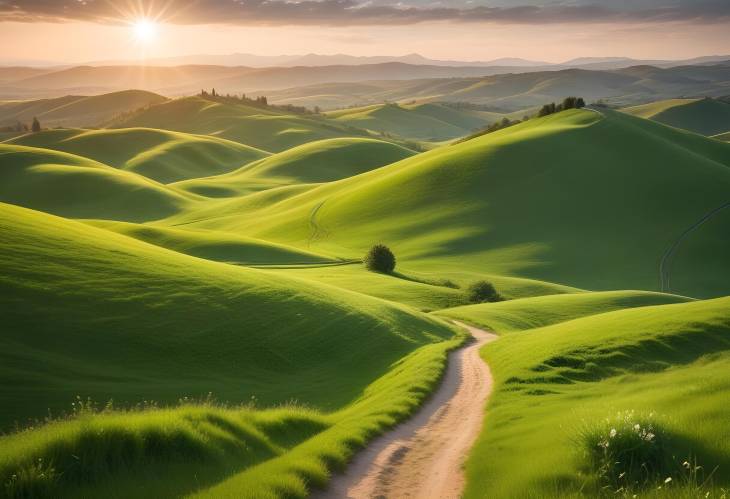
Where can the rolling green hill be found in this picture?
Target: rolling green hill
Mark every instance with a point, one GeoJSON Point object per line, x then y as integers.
{"type": "Point", "coordinates": [76, 111]}
{"type": "Point", "coordinates": [488, 205]}
{"type": "Point", "coordinates": [419, 121]}
{"type": "Point", "coordinates": [217, 246]}
{"type": "Point", "coordinates": [529, 313]}
{"type": "Point", "coordinates": [71, 186]}
{"type": "Point", "coordinates": [663, 366]}
{"type": "Point", "coordinates": [157, 154]}
{"type": "Point", "coordinates": [725, 137]}
{"type": "Point", "coordinates": [704, 116]}
{"type": "Point", "coordinates": [140, 313]}
{"type": "Point", "coordinates": [263, 128]}
{"type": "Point", "coordinates": [314, 162]}
{"type": "Point", "coordinates": [98, 314]}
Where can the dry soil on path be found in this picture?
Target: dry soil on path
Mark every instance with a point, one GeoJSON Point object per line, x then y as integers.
{"type": "Point", "coordinates": [424, 456]}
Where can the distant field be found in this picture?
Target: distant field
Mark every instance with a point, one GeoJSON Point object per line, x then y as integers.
{"type": "Point", "coordinates": [705, 116]}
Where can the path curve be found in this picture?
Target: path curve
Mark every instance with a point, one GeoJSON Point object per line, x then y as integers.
{"type": "Point", "coordinates": [424, 456]}
{"type": "Point", "coordinates": [666, 260]}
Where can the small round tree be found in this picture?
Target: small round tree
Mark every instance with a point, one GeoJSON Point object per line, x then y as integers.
{"type": "Point", "coordinates": [380, 259]}
{"type": "Point", "coordinates": [482, 292]}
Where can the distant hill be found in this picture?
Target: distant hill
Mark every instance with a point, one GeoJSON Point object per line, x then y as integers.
{"type": "Point", "coordinates": [314, 162]}
{"type": "Point", "coordinates": [161, 155]}
{"type": "Point", "coordinates": [265, 128]}
{"type": "Point", "coordinates": [76, 111]}
{"type": "Point", "coordinates": [430, 121]}
{"type": "Point", "coordinates": [516, 91]}
{"type": "Point", "coordinates": [72, 186]}
{"type": "Point", "coordinates": [705, 116]}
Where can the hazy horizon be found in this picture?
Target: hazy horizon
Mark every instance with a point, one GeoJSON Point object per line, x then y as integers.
{"type": "Point", "coordinates": [468, 30]}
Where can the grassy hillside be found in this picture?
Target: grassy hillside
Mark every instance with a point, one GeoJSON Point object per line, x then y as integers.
{"type": "Point", "coordinates": [263, 128]}
{"type": "Point", "coordinates": [217, 246]}
{"type": "Point", "coordinates": [665, 365]}
{"type": "Point", "coordinates": [157, 154]}
{"type": "Point", "coordinates": [725, 137]}
{"type": "Point", "coordinates": [76, 111]}
{"type": "Point", "coordinates": [160, 325]}
{"type": "Point", "coordinates": [314, 162]}
{"type": "Point", "coordinates": [528, 313]}
{"type": "Point", "coordinates": [95, 314]}
{"type": "Point", "coordinates": [71, 186]}
{"type": "Point", "coordinates": [704, 116]}
{"type": "Point", "coordinates": [651, 109]}
{"type": "Point", "coordinates": [487, 205]}
{"type": "Point", "coordinates": [418, 121]}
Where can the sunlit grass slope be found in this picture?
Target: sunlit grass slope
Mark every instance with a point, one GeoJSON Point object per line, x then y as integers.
{"type": "Point", "coordinates": [527, 313]}
{"type": "Point", "coordinates": [92, 313]}
{"type": "Point", "coordinates": [315, 162]}
{"type": "Point", "coordinates": [73, 110]}
{"type": "Point", "coordinates": [71, 186]}
{"type": "Point", "coordinates": [581, 198]}
{"type": "Point", "coordinates": [262, 128]}
{"type": "Point", "coordinates": [218, 246]}
{"type": "Point", "coordinates": [653, 108]}
{"type": "Point", "coordinates": [705, 116]}
{"type": "Point", "coordinates": [157, 154]}
{"type": "Point", "coordinates": [555, 381]}
{"type": "Point", "coordinates": [725, 137]}
{"type": "Point", "coordinates": [419, 121]}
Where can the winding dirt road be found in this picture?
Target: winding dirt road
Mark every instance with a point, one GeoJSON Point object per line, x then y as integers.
{"type": "Point", "coordinates": [423, 457]}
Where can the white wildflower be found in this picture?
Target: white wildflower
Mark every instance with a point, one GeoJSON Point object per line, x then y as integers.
{"type": "Point", "coordinates": [612, 433]}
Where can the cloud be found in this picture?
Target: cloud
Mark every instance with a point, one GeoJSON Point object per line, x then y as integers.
{"type": "Point", "coordinates": [350, 12]}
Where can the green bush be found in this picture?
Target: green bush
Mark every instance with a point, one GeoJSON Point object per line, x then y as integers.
{"type": "Point", "coordinates": [628, 452]}
{"type": "Point", "coordinates": [380, 259]}
{"type": "Point", "coordinates": [482, 292]}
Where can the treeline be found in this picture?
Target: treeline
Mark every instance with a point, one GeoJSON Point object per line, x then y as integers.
{"type": "Point", "coordinates": [568, 103]}
{"type": "Point", "coordinates": [547, 109]}
{"type": "Point", "coordinates": [259, 101]}
{"type": "Point", "coordinates": [22, 127]}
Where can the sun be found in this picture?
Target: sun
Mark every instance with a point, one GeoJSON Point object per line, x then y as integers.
{"type": "Point", "coordinates": [145, 30]}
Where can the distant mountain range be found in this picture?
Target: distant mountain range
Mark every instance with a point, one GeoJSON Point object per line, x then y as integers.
{"type": "Point", "coordinates": [266, 61]}
{"type": "Point", "coordinates": [503, 87]}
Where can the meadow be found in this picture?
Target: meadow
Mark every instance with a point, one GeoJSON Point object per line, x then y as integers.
{"type": "Point", "coordinates": [186, 311]}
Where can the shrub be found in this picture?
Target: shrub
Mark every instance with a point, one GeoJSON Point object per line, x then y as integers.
{"type": "Point", "coordinates": [482, 292]}
{"type": "Point", "coordinates": [380, 259]}
{"type": "Point", "coordinates": [627, 452]}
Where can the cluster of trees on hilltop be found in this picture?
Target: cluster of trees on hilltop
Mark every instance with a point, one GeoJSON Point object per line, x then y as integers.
{"type": "Point", "coordinates": [499, 125]}
{"type": "Point", "coordinates": [22, 127]}
{"type": "Point", "coordinates": [568, 103]}
{"type": "Point", "coordinates": [259, 101]}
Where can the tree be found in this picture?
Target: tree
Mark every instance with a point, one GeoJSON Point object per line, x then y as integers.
{"type": "Point", "coordinates": [213, 93]}
{"type": "Point", "coordinates": [380, 259]}
{"type": "Point", "coordinates": [580, 103]}
{"type": "Point", "coordinates": [482, 292]}
{"type": "Point", "coordinates": [36, 127]}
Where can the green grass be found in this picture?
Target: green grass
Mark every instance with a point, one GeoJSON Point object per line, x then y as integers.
{"type": "Point", "coordinates": [705, 116]}
{"type": "Point", "coordinates": [93, 313]}
{"type": "Point", "coordinates": [217, 246]}
{"type": "Point", "coordinates": [263, 128]}
{"type": "Point", "coordinates": [74, 110]}
{"type": "Point", "coordinates": [555, 381]}
{"type": "Point", "coordinates": [653, 108]}
{"type": "Point", "coordinates": [725, 137]}
{"type": "Point", "coordinates": [432, 122]}
{"type": "Point", "coordinates": [157, 154]}
{"type": "Point", "coordinates": [528, 313]}
{"type": "Point", "coordinates": [314, 162]}
{"type": "Point", "coordinates": [488, 206]}
{"type": "Point", "coordinates": [72, 186]}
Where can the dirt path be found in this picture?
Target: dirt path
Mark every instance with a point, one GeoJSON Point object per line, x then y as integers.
{"type": "Point", "coordinates": [665, 262]}
{"type": "Point", "coordinates": [423, 457]}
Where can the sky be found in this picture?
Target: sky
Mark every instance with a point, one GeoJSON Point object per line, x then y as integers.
{"type": "Point", "coordinates": [74, 31]}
